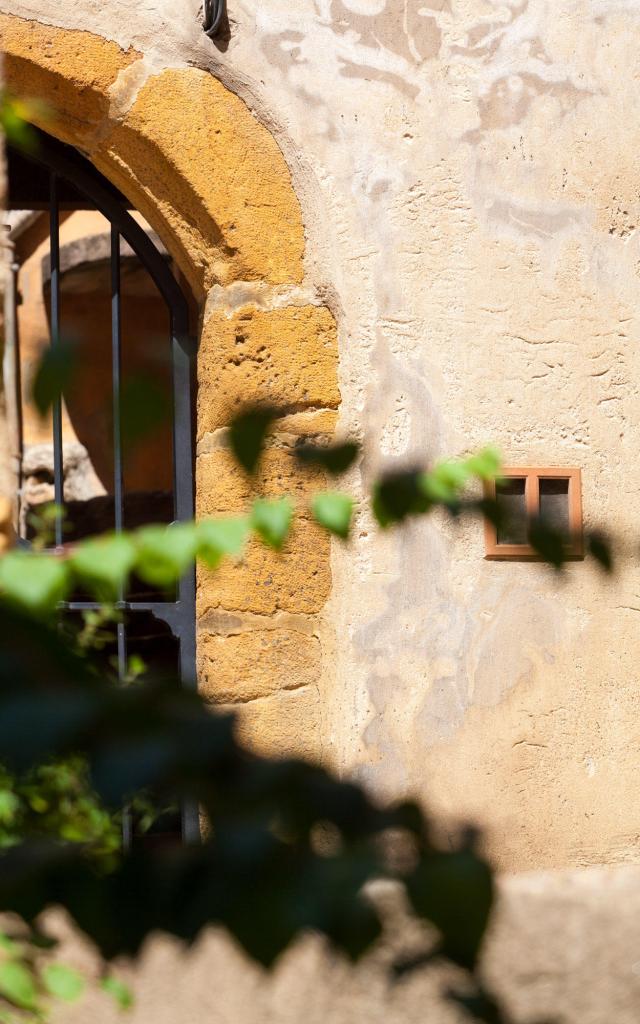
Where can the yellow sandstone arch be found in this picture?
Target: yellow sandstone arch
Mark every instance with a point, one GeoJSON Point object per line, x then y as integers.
{"type": "Point", "coordinates": [212, 181]}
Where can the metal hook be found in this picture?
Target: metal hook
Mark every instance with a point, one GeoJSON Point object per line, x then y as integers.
{"type": "Point", "coordinates": [214, 12]}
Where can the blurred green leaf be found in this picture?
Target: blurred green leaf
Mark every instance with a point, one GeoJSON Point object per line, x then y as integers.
{"type": "Point", "coordinates": [17, 984]}
{"type": "Point", "coordinates": [54, 375]}
{"type": "Point", "coordinates": [15, 115]}
{"type": "Point", "coordinates": [164, 553]}
{"type": "Point", "coordinates": [486, 464]}
{"type": "Point", "coordinates": [247, 434]}
{"type": "Point", "coordinates": [118, 991]}
{"type": "Point", "coordinates": [445, 482]}
{"type": "Point", "coordinates": [271, 519]}
{"type": "Point", "coordinates": [104, 564]}
{"type": "Point", "coordinates": [144, 406]}
{"type": "Point", "coordinates": [63, 982]}
{"type": "Point", "coordinates": [219, 537]}
{"type": "Point", "coordinates": [9, 805]}
{"type": "Point", "coordinates": [36, 582]}
{"type": "Point", "coordinates": [7, 945]}
{"type": "Point", "coordinates": [335, 458]}
{"type": "Point", "coordinates": [398, 495]}
{"type": "Point", "coordinates": [333, 511]}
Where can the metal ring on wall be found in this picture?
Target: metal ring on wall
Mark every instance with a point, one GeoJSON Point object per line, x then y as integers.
{"type": "Point", "coordinates": [214, 12]}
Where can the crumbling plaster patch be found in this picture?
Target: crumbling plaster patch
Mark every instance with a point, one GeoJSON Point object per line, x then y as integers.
{"type": "Point", "coordinates": [468, 185]}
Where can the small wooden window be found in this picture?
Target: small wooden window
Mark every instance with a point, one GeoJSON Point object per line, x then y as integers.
{"type": "Point", "coordinates": [525, 495]}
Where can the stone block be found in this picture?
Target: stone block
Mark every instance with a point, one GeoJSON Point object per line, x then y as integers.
{"type": "Point", "coordinates": [191, 148]}
{"type": "Point", "coordinates": [257, 664]}
{"type": "Point", "coordinates": [67, 73]}
{"type": "Point", "coordinates": [287, 357]}
{"type": "Point", "coordinates": [296, 579]}
{"type": "Point", "coordinates": [286, 724]}
{"type": "Point", "coordinates": [223, 488]}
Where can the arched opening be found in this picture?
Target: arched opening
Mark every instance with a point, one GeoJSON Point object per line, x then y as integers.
{"type": "Point", "coordinates": [92, 283]}
{"type": "Point", "coordinates": [211, 179]}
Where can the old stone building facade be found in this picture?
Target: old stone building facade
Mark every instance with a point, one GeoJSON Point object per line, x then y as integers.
{"type": "Point", "coordinates": [413, 223]}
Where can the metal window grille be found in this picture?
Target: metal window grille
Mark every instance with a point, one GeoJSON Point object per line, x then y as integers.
{"type": "Point", "coordinates": [65, 167]}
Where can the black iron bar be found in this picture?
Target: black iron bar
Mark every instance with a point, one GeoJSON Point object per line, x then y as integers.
{"type": "Point", "coordinates": [179, 615]}
{"type": "Point", "coordinates": [58, 451]}
{"type": "Point", "coordinates": [116, 369]}
{"type": "Point", "coordinates": [116, 374]}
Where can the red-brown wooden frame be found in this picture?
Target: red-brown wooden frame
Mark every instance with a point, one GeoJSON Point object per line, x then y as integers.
{"type": "Point", "coordinates": [532, 478]}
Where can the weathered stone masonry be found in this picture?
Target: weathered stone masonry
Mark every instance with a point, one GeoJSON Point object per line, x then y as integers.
{"type": "Point", "coordinates": [213, 183]}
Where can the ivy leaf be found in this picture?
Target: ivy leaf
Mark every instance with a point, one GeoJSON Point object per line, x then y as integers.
{"type": "Point", "coordinates": [63, 982]}
{"type": "Point", "coordinates": [54, 374]}
{"type": "Point", "coordinates": [272, 520]}
{"type": "Point", "coordinates": [104, 564]}
{"type": "Point", "coordinates": [247, 434]}
{"type": "Point", "coordinates": [36, 582]}
{"type": "Point", "coordinates": [118, 991]}
{"type": "Point", "coordinates": [486, 464]}
{"type": "Point", "coordinates": [445, 482]}
{"type": "Point", "coordinates": [9, 806]}
{"type": "Point", "coordinates": [7, 945]}
{"type": "Point", "coordinates": [15, 115]}
{"type": "Point", "coordinates": [333, 511]}
{"type": "Point", "coordinates": [165, 552]}
{"type": "Point", "coordinates": [219, 537]}
{"type": "Point", "coordinates": [17, 985]}
{"type": "Point", "coordinates": [144, 406]}
{"type": "Point", "coordinates": [335, 459]}
{"type": "Point", "coordinates": [398, 495]}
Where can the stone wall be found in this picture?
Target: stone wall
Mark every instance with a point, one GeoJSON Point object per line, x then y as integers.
{"type": "Point", "coordinates": [454, 183]}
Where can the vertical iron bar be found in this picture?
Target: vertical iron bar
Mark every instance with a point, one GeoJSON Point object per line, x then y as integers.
{"type": "Point", "coordinates": [116, 373]}
{"type": "Point", "coordinates": [182, 367]}
{"type": "Point", "coordinates": [116, 366]}
{"type": "Point", "coordinates": [54, 249]}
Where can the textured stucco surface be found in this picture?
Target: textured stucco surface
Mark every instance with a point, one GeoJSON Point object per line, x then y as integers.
{"type": "Point", "coordinates": [467, 178]}
{"type": "Point", "coordinates": [563, 947]}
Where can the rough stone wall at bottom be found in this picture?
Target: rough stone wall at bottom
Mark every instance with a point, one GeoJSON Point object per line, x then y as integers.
{"type": "Point", "coordinates": [563, 948]}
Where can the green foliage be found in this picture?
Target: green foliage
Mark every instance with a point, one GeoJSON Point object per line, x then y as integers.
{"type": "Point", "coordinates": [15, 115]}
{"type": "Point", "coordinates": [17, 985]}
{"type": "Point", "coordinates": [265, 818]}
{"type": "Point", "coordinates": [164, 553]}
{"type": "Point", "coordinates": [118, 991]}
{"type": "Point", "coordinates": [272, 520]}
{"type": "Point", "coordinates": [413, 492]}
{"type": "Point", "coordinates": [30, 979]}
{"type": "Point", "coordinates": [63, 982]}
{"type": "Point", "coordinates": [333, 511]}
{"type": "Point", "coordinates": [34, 581]}
{"type": "Point", "coordinates": [55, 800]}
{"type": "Point", "coordinates": [103, 565]}
{"type": "Point", "coordinates": [219, 537]}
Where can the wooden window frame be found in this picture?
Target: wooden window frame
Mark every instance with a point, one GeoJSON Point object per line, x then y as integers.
{"type": "Point", "coordinates": [532, 477]}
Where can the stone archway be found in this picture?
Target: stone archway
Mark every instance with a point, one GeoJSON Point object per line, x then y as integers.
{"type": "Point", "coordinates": [211, 180]}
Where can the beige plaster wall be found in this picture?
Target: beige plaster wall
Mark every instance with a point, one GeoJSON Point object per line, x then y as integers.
{"type": "Point", "coordinates": [467, 176]}
{"type": "Point", "coordinates": [562, 947]}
